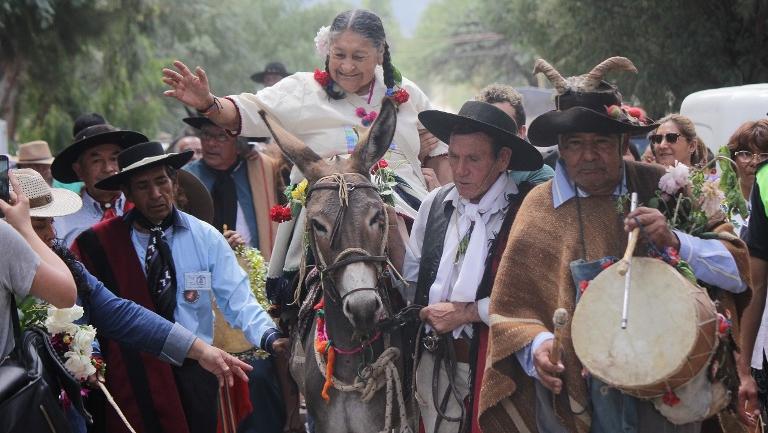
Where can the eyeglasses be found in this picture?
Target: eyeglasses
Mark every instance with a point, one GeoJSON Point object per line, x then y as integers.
{"type": "Point", "coordinates": [745, 155]}
{"type": "Point", "coordinates": [671, 137]}
{"type": "Point", "coordinates": [221, 137]}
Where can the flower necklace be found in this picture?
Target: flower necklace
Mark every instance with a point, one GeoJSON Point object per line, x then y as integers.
{"type": "Point", "coordinates": [366, 118]}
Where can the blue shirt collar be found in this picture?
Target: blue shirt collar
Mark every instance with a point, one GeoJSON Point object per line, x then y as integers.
{"type": "Point", "coordinates": [564, 189]}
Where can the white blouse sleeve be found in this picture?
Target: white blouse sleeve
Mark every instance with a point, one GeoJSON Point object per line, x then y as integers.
{"type": "Point", "coordinates": [285, 101]}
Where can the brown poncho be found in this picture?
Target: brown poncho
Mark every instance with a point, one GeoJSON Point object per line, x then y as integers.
{"type": "Point", "coordinates": [534, 279]}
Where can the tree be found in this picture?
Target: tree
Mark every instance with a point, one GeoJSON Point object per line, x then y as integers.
{"type": "Point", "coordinates": [75, 56]}
{"type": "Point", "coordinates": [679, 47]}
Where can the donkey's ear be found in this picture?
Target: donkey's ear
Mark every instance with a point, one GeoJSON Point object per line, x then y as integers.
{"type": "Point", "coordinates": [373, 145]}
{"type": "Point", "coordinates": [309, 162]}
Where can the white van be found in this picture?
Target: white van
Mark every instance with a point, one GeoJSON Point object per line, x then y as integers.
{"type": "Point", "coordinates": [718, 112]}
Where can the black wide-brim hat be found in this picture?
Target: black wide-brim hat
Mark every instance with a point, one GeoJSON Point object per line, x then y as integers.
{"type": "Point", "coordinates": [198, 122]}
{"type": "Point", "coordinates": [546, 128]}
{"type": "Point", "coordinates": [95, 135]}
{"type": "Point", "coordinates": [484, 117]}
{"type": "Point", "coordinates": [139, 158]}
{"type": "Point", "coordinates": [276, 68]}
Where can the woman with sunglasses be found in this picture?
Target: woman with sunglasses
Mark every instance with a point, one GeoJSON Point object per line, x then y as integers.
{"type": "Point", "coordinates": [675, 140]}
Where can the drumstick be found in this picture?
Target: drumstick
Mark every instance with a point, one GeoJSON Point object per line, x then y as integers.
{"type": "Point", "coordinates": [559, 320]}
{"type": "Point", "coordinates": [624, 266]}
{"type": "Point", "coordinates": [115, 406]}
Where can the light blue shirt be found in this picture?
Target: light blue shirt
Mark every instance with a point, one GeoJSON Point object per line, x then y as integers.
{"type": "Point", "coordinates": [198, 248]}
{"type": "Point", "coordinates": [710, 261]}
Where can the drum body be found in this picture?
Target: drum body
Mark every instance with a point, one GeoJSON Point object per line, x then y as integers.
{"type": "Point", "coordinates": [670, 336]}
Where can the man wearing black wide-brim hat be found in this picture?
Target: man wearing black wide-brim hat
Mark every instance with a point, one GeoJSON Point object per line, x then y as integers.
{"type": "Point", "coordinates": [174, 264]}
{"type": "Point", "coordinates": [271, 75]}
{"type": "Point", "coordinates": [458, 233]}
{"type": "Point", "coordinates": [90, 158]}
{"type": "Point", "coordinates": [567, 231]}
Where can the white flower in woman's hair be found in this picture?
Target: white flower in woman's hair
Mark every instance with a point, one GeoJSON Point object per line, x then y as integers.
{"type": "Point", "coordinates": [323, 41]}
{"type": "Point", "coordinates": [62, 319]}
{"type": "Point", "coordinates": [83, 341]}
{"type": "Point", "coordinates": [79, 365]}
{"type": "Point", "coordinates": [712, 198]}
{"type": "Point", "coordinates": [676, 178]}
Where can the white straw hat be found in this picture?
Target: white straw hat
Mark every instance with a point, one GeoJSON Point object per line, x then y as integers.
{"type": "Point", "coordinates": [44, 201]}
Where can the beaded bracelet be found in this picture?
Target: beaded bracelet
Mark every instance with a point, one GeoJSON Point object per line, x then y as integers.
{"type": "Point", "coordinates": [215, 104]}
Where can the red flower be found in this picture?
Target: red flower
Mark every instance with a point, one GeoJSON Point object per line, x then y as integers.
{"type": "Point", "coordinates": [674, 256]}
{"type": "Point", "coordinates": [401, 96]}
{"type": "Point", "coordinates": [381, 164]}
{"type": "Point", "coordinates": [583, 284]}
{"type": "Point", "coordinates": [723, 324]}
{"type": "Point", "coordinates": [280, 214]}
{"type": "Point", "coordinates": [360, 112]}
{"type": "Point", "coordinates": [636, 112]}
{"type": "Point", "coordinates": [671, 399]}
{"type": "Point", "coordinates": [322, 77]}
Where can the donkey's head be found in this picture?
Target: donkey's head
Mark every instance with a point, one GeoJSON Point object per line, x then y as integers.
{"type": "Point", "coordinates": [346, 218]}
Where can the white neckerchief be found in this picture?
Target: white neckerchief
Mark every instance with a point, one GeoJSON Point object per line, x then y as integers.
{"type": "Point", "coordinates": [473, 265]}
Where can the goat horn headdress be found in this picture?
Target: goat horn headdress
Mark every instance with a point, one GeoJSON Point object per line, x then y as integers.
{"type": "Point", "coordinates": [592, 78]}
{"type": "Point", "coordinates": [551, 73]}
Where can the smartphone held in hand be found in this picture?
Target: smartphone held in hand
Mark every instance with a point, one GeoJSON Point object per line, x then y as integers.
{"type": "Point", "coordinates": [5, 186]}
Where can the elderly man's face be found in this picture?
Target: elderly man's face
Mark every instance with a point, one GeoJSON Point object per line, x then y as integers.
{"type": "Point", "coordinates": [474, 165]}
{"type": "Point", "coordinates": [219, 148]}
{"type": "Point", "coordinates": [152, 192]}
{"type": "Point", "coordinates": [191, 143]}
{"type": "Point", "coordinates": [97, 163]}
{"type": "Point", "coordinates": [592, 161]}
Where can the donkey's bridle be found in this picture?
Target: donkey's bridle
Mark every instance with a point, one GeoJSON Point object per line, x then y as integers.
{"type": "Point", "coordinates": [349, 255]}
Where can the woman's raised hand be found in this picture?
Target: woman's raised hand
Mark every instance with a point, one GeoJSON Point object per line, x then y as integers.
{"type": "Point", "coordinates": [192, 89]}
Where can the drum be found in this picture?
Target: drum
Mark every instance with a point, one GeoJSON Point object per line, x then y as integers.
{"type": "Point", "coordinates": [670, 336]}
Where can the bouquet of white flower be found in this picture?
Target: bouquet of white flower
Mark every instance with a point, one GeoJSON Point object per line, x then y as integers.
{"type": "Point", "coordinates": [692, 198]}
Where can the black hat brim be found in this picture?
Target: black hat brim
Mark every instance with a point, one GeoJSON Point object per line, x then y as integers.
{"type": "Point", "coordinates": [61, 168]}
{"type": "Point", "coordinates": [175, 160]}
{"type": "Point", "coordinates": [441, 124]}
{"type": "Point", "coordinates": [546, 128]}
{"type": "Point", "coordinates": [198, 122]}
{"type": "Point", "coordinates": [259, 76]}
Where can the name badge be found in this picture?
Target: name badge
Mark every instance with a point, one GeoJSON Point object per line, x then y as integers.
{"type": "Point", "coordinates": [197, 281]}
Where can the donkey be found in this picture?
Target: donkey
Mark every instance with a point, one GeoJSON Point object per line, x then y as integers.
{"type": "Point", "coordinates": [347, 226]}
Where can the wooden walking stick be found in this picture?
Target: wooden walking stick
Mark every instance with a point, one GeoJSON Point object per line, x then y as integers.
{"type": "Point", "coordinates": [559, 320]}
{"type": "Point", "coordinates": [115, 406]}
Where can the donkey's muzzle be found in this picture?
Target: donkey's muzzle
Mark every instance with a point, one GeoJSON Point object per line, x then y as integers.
{"type": "Point", "coordinates": [363, 308]}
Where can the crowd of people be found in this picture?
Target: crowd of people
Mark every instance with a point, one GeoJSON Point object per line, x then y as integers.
{"type": "Point", "coordinates": [485, 237]}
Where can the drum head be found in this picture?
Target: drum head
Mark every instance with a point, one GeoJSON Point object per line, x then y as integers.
{"type": "Point", "coordinates": [662, 327]}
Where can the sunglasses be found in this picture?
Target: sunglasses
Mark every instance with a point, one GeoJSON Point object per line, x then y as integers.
{"type": "Point", "coordinates": [746, 155]}
{"type": "Point", "coordinates": [671, 138]}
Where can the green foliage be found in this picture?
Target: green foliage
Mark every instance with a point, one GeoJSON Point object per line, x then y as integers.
{"type": "Point", "coordinates": [679, 47]}
{"type": "Point", "coordinates": [76, 56]}
{"type": "Point", "coordinates": [729, 183]}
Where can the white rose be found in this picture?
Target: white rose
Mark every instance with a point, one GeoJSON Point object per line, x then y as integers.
{"type": "Point", "coordinates": [79, 365]}
{"type": "Point", "coordinates": [676, 178]}
{"type": "Point", "coordinates": [323, 41]}
{"type": "Point", "coordinates": [83, 341]}
{"type": "Point", "coordinates": [61, 319]}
